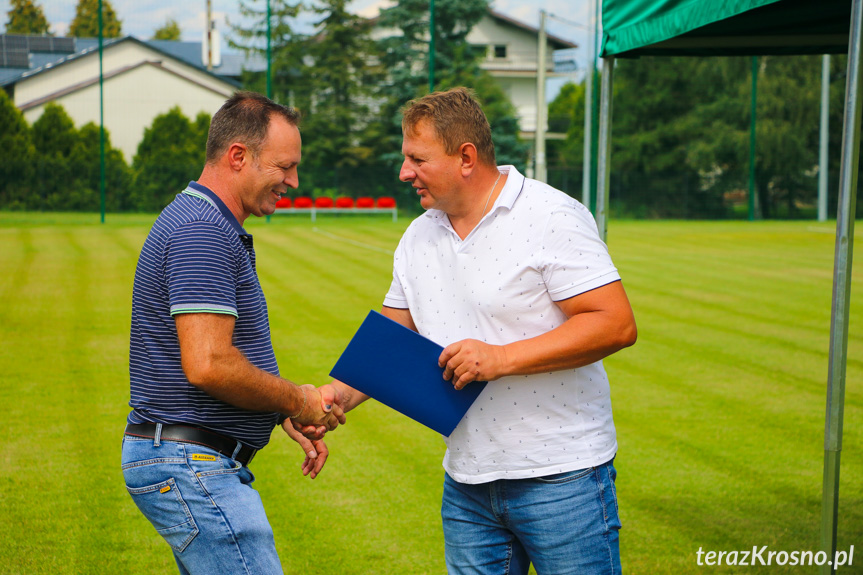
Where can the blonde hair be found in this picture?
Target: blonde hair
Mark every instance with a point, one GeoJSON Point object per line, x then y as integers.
{"type": "Point", "coordinates": [457, 118]}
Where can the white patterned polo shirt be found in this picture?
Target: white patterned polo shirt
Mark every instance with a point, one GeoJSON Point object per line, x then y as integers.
{"type": "Point", "coordinates": [535, 247]}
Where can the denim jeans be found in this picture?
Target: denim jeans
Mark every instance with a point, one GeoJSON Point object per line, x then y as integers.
{"type": "Point", "coordinates": [563, 524]}
{"type": "Point", "coordinates": [203, 504]}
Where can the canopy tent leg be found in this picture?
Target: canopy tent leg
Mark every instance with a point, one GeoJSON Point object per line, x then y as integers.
{"type": "Point", "coordinates": [841, 291]}
{"type": "Point", "coordinates": [604, 152]}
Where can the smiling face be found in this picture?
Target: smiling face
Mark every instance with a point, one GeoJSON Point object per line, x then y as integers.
{"type": "Point", "coordinates": [274, 169]}
{"type": "Point", "coordinates": [435, 175]}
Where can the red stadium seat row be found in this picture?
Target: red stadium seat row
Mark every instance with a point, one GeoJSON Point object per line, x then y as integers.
{"type": "Point", "coordinates": [343, 202]}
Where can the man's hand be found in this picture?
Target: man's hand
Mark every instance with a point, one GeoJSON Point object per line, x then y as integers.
{"type": "Point", "coordinates": [315, 450]}
{"type": "Point", "coordinates": [321, 409]}
{"type": "Point", "coordinates": [330, 396]}
{"type": "Point", "coordinates": [471, 360]}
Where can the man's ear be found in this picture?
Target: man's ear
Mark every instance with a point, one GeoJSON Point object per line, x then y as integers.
{"type": "Point", "coordinates": [238, 155]}
{"type": "Point", "coordinates": [469, 156]}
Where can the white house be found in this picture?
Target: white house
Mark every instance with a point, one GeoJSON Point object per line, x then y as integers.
{"type": "Point", "coordinates": [140, 82]}
{"type": "Point", "coordinates": [512, 54]}
{"type": "Point", "coordinates": [512, 58]}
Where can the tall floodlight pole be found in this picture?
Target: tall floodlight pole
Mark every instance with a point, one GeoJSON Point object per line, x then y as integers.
{"type": "Point", "coordinates": [269, 53]}
{"type": "Point", "coordinates": [269, 60]}
{"type": "Point", "coordinates": [752, 139]}
{"type": "Point", "coordinates": [101, 124]}
{"type": "Point", "coordinates": [431, 46]}
{"type": "Point", "coordinates": [588, 123]}
{"type": "Point", "coordinates": [540, 172]}
{"type": "Point", "coordinates": [845, 212]}
{"type": "Point", "coordinates": [209, 35]}
{"type": "Point", "coordinates": [824, 143]}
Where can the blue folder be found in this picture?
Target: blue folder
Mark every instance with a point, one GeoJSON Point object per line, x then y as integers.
{"type": "Point", "coordinates": [398, 367]}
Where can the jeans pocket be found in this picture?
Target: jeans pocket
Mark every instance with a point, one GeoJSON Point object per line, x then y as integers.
{"type": "Point", "coordinates": [228, 467]}
{"type": "Point", "coordinates": [164, 506]}
{"type": "Point", "coordinates": [565, 477]}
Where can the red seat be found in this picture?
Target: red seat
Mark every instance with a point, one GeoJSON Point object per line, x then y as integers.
{"type": "Point", "coordinates": [303, 202]}
{"type": "Point", "coordinates": [365, 202]}
{"type": "Point", "coordinates": [323, 202]}
{"type": "Point", "coordinates": [284, 203]}
{"type": "Point", "coordinates": [344, 202]}
{"type": "Point", "coordinates": [386, 202]}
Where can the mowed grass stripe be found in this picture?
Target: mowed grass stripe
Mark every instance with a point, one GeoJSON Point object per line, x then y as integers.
{"type": "Point", "coordinates": [319, 296]}
{"type": "Point", "coordinates": [53, 374]}
{"type": "Point", "coordinates": [76, 306]}
{"type": "Point", "coordinates": [17, 244]}
{"type": "Point", "coordinates": [732, 397]}
{"type": "Point", "coordinates": [733, 288]}
{"type": "Point", "coordinates": [719, 407]}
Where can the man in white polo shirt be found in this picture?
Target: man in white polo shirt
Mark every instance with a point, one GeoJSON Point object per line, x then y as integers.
{"type": "Point", "coordinates": [511, 276]}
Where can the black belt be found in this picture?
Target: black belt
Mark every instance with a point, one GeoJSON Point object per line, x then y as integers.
{"type": "Point", "coordinates": [184, 434]}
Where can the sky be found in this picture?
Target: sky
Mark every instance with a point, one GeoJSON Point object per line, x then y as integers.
{"type": "Point", "coordinates": [571, 20]}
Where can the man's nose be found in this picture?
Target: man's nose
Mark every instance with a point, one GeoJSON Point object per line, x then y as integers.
{"type": "Point", "coordinates": [406, 174]}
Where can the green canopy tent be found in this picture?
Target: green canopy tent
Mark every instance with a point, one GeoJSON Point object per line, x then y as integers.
{"type": "Point", "coordinates": [633, 28]}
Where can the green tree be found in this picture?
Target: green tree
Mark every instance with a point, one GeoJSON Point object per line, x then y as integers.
{"type": "Point", "coordinates": [665, 113]}
{"type": "Point", "coordinates": [838, 71]}
{"type": "Point", "coordinates": [25, 17]}
{"type": "Point", "coordinates": [787, 133]}
{"type": "Point", "coordinates": [86, 21]}
{"type": "Point", "coordinates": [566, 157]}
{"type": "Point", "coordinates": [169, 31]}
{"type": "Point", "coordinates": [84, 190]}
{"type": "Point", "coordinates": [405, 54]}
{"type": "Point", "coordinates": [286, 45]}
{"type": "Point", "coordinates": [17, 167]}
{"type": "Point", "coordinates": [54, 137]}
{"type": "Point", "coordinates": [333, 92]}
{"type": "Point", "coordinates": [171, 153]}
{"type": "Point", "coordinates": [681, 135]}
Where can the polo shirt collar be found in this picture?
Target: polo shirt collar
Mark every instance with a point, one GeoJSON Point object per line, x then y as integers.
{"type": "Point", "coordinates": [506, 199]}
{"type": "Point", "coordinates": [511, 190]}
{"type": "Point", "coordinates": [203, 192]}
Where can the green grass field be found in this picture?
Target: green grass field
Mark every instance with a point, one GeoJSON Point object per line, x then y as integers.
{"type": "Point", "coordinates": [719, 406]}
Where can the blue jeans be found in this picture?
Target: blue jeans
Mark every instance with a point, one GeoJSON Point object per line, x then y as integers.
{"type": "Point", "coordinates": [203, 504]}
{"type": "Point", "coordinates": [563, 524]}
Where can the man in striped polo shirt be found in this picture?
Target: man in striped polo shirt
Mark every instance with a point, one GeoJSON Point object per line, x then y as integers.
{"type": "Point", "coordinates": [205, 387]}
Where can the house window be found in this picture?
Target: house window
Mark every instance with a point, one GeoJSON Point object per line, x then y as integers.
{"type": "Point", "coordinates": [500, 51]}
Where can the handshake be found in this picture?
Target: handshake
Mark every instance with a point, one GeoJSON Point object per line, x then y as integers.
{"type": "Point", "coordinates": [322, 411]}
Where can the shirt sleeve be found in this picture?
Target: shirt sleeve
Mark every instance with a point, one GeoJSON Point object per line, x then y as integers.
{"type": "Point", "coordinates": [396, 297]}
{"type": "Point", "coordinates": [574, 259]}
{"type": "Point", "coordinates": [201, 271]}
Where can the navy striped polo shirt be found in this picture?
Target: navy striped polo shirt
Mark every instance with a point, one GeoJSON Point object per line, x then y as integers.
{"type": "Point", "coordinates": [196, 259]}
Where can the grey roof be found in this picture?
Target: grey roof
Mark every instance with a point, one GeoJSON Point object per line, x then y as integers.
{"type": "Point", "coordinates": [7, 74]}
{"type": "Point", "coordinates": [40, 61]}
{"type": "Point", "coordinates": [189, 52]}
{"type": "Point", "coordinates": [232, 65]}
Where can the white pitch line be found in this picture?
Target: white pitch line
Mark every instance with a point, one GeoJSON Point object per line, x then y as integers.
{"type": "Point", "coordinates": [354, 242]}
